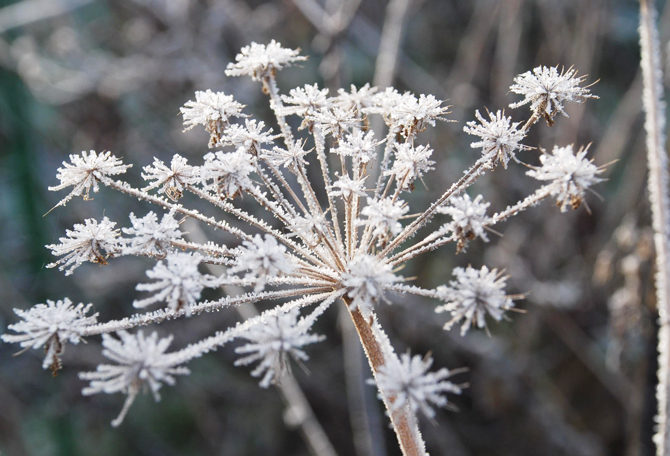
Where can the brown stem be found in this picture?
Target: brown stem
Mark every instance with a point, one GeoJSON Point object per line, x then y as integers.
{"type": "Point", "coordinates": [403, 420]}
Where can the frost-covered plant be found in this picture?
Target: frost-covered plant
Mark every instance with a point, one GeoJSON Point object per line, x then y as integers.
{"type": "Point", "coordinates": [342, 236]}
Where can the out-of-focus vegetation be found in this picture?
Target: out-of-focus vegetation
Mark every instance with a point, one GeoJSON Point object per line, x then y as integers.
{"type": "Point", "coordinates": [574, 375]}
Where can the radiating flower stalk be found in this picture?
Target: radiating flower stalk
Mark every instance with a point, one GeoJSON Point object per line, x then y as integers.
{"type": "Point", "coordinates": [342, 236]}
{"type": "Point", "coordinates": [654, 108]}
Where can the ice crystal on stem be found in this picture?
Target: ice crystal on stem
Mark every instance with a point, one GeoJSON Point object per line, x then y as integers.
{"type": "Point", "coordinates": [272, 341]}
{"type": "Point", "coordinates": [322, 233]}
{"type": "Point", "coordinates": [50, 325]}
{"type": "Point", "coordinates": [546, 89]}
{"type": "Point", "coordinates": [408, 380]}
{"type": "Point", "coordinates": [140, 361]}
{"type": "Point", "coordinates": [86, 242]}
{"type": "Point", "coordinates": [475, 293]}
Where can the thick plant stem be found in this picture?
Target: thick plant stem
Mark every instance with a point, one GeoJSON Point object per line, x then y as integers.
{"type": "Point", "coordinates": [654, 109]}
{"type": "Point", "coordinates": [403, 420]}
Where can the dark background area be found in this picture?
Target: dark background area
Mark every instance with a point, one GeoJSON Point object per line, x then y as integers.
{"type": "Point", "coordinates": [574, 375]}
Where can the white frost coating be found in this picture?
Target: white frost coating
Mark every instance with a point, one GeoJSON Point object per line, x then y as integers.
{"type": "Point", "coordinates": [50, 326]}
{"type": "Point", "coordinates": [654, 108]}
{"type": "Point", "coordinates": [85, 242]}
{"type": "Point", "coordinates": [410, 163]}
{"type": "Point", "coordinates": [305, 102]}
{"type": "Point", "coordinates": [229, 172]}
{"type": "Point", "coordinates": [382, 216]}
{"type": "Point", "coordinates": [361, 146]}
{"type": "Point", "coordinates": [251, 136]}
{"type": "Point", "coordinates": [139, 361]}
{"type": "Point", "coordinates": [357, 99]}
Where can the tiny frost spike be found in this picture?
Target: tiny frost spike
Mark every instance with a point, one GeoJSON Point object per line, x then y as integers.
{"type": "Point", "coordinates": [311, 250]}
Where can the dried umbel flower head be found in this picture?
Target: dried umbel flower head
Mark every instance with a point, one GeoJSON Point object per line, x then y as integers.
{"type": "Point", "coordinates": [335, 235]}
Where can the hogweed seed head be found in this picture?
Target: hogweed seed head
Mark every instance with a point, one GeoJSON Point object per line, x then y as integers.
{"type": "Point", "coordinates": [546, 89]}
{"type": "Point", "coordinates": [410, 163]}
{"type": "Point", "coordinates": [409, 380]}
{"type": "Point", "coordinates": [365, 279]}
{"type": "Point", "coordinates": [171, 180]}
{"type": "Point", "coordinates": [570, 175]}
{"type": "Point", "coordinates": [229, 172]}
{"type": "Point", "coordinates": [263, 258]}
{"type": "Point", "coordinates": [139, 361]}
{"type": "Point", "coordinates": [500, 137]}
{"type": "Point", "coordinates": [272, 341]}
{"type": "Point", "coordinates": [469, 219]}
{"type": "Point", "coordinates": [474, 293]}
{"type": "Point", "coordinates": [84, 173]}
{"type": "Point", "coordinates": [90, 241]}
{"type": "Point", "coordinates": [150, 237]}
{"type": "Point", "coordinates": [50, 325]}
{"type": "Point", "coordinates": [260, 61]}
{"type": "Point", "coordinates": [178, 281]}
{"type": "Point", "coordinates": [213, 110]}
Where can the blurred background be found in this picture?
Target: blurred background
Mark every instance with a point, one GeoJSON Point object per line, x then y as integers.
{"type": "Point", "coordinates": [574, 375]}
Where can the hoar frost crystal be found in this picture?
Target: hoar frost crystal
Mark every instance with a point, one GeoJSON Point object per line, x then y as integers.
{"type": "Point", "coordinates": [309, 250]}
